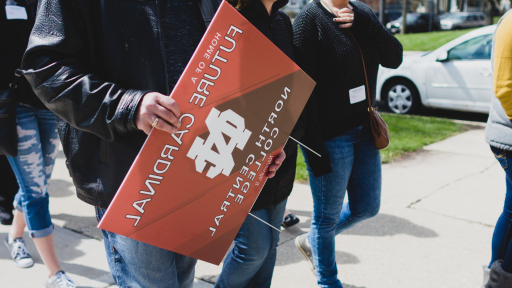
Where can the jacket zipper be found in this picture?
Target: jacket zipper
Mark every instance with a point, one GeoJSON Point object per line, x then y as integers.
{"type": "Point", "coordinates": [162, 48]}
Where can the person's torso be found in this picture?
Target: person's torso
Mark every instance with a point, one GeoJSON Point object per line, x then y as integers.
{"type": "Point", "coordinates": [16, 22]}
{"type": "Point", "coordinates": [498, 131]}
{"type": "Point", "coordinates": [183, 28]}
{"type": "Point", "coordinates": [276, 26]}
{"type": "Point", "coordinates": [125, 45]}
{"type": "Point", "coordinates": [340, 65]}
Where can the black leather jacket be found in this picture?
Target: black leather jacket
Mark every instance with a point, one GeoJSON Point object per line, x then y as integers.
{"type": "Point", "coordinates": [91, 62]}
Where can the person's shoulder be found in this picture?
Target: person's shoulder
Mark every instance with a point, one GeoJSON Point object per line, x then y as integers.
{"type": "Point", "coordinates": [310, 13]}
{"type": "Point", "coordinates": [362, 6]}
{"type": "Point", "coordinates": [506, 19]}
{"type": "Point", "coordinates": [310, 10]}
{"type": "Point", "coordinates": [504, 30]}
{"type": "Point", "coordinates": [283, 14]}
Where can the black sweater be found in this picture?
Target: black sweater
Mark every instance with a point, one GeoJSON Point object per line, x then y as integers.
{"type": "Point", "coordinates": [329, 55]}
{"type": "Point", "coordinates": [278, 29]}
{"type": "Point", "coordinates": [14, 34]}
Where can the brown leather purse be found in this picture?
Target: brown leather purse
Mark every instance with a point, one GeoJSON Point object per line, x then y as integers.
{"type": "Point", "coordinates": [380, 130]}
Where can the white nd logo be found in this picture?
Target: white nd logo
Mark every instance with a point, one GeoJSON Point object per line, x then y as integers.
{"type": "Point", "coordinates": [228, 123]}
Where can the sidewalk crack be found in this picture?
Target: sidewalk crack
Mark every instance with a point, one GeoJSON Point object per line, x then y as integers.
{"type": "Point", "coordinates": [451, 183]}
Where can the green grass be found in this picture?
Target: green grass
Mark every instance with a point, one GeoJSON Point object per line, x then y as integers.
{"type": "Point", "coordinates": [408, 134]}
{"type": "Point", "coordinates": [430, 40]}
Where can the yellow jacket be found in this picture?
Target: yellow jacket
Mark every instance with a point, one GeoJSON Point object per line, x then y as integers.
{"type": "Point", "coordinates": [502, 80]}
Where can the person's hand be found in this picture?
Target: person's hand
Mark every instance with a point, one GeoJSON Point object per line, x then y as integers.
{"type": "Point", "coordinates": [345, 17]}
{"type": "Point", "coordinates": [277, 163]}
{"type": "Point", "coordinates": [158, 106]}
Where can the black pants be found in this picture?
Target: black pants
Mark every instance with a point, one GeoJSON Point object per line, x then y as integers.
{"type": "Point", "coordinates": [8, 185]}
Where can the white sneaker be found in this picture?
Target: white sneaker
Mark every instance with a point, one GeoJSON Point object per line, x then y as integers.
{"type": "Point", "coordinates": [60, 280]}
{"type": "Point", "coordinates": [19, 252]}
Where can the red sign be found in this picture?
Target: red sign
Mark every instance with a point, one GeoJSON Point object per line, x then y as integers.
{"type": "Point", "coordinates": [190, 192]}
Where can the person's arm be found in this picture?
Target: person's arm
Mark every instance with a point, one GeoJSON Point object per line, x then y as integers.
{"type": "Point", "coordinates": [364, 21]}
{"type": "Point", "coordinates": [306, 49]}
{"type": "Point", "coordinates": [56, 66]}
{"type": "Point", "coordinates": [503, 64]}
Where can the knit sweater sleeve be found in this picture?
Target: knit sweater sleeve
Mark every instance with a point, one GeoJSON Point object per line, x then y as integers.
{"type": "Point", "coordinates": [306, 49]}
{"type": "Point", "coordinates": [367, 23]}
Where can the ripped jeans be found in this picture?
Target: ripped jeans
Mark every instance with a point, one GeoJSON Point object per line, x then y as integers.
{"type": "Point", "coordinates": [38, 144]}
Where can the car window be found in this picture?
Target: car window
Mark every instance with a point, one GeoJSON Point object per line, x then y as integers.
{"type": "Point", "coordinates": [456, 17]}
{"type": "Point", "coordinates": [482, 17]}
{"type": "Point", "coordinates": [477, 48]}
{"type": "Point", "coordinates": [474, 18]}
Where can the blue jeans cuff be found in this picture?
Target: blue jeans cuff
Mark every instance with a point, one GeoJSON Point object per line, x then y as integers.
{"type": "Point", "coordinates": [42, 233]}
{"type": "Point", "coordinates": [18, 207]}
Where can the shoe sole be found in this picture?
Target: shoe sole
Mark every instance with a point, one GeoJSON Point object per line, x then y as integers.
{"type": "Point", "coordinates": [311, 265]}
{"type": "Point", "coordinates": [287, 225]}
{"type": "Point", "coordinates": [16, 264]}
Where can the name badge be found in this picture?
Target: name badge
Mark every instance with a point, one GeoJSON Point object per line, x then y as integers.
{"type": "Point", "coordinates": [15, 12]}
{"type": "Point", "coordinates": [357, 94]}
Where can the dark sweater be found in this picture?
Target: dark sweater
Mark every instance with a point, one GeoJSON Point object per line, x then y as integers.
{"type": "Point", "coordinates": [329, 55]}
{"type": "Point", "coordinates": [14, 34]}
{"type": "Point", "coordinates": [183, 27]}
{"type": "Point", "coordinates": [277, 28]}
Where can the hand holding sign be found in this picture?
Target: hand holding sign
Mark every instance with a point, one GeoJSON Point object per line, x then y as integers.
{"type": "Point", "coordinates": [275, 166]}
{"type": "Point", "coordinates": [160, 110]}
{"type": "Point", "coordinates": [239, 98]}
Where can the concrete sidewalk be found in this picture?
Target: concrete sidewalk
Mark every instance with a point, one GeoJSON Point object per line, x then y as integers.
{"type": "Point", "coordinates": [439, 206]}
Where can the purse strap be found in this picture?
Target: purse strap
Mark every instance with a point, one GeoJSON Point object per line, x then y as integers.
{"type": "Point", "coordinates": [370, 108]}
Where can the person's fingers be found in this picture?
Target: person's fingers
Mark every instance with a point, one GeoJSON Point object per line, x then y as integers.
{"type": "Point", "coordinates": [166, 115]}
{"type": "Point", "coordinates": [164, 126]}
{"type": "Point", "coordinates": [169, 103]}
{"type": "Point", "coordinates": [280, 158]}
{"type": "Point", "coordinates": [347, 25]}
{"type": "Point", "coordinates": [272, 169]}
{"type": "Point", "coordinates": [344, 19]}
{"type": "Point", "coordinates": [146, 129]}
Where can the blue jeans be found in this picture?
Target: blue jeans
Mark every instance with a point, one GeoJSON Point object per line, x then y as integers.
{"type": "Point", "coordinates": [38, 144]}
{"type": "Point", "coordinates": [251, 262]}
{"type": "Point", "coordinates": [136, 264]}
{"type": "Point", "coordinates": [501, 243]}
{"type": "Point", "coordinates": [356, 167]}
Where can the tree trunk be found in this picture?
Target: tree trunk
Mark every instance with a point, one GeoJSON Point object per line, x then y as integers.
{"type": "Point", "coordinates": [382, 9]}
{"type": "Point", "coordinates": [404, 17]}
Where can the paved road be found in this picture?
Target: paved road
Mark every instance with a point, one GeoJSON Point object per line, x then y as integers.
{"type": "Point", "coordinates": [439, 206]}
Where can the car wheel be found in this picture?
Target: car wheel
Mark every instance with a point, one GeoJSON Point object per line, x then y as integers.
{"type": "Point", "coordinates": [402, 97]}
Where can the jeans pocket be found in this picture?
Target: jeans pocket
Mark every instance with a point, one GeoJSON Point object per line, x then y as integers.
{"type": "Point", "coordinates": [501, 156]}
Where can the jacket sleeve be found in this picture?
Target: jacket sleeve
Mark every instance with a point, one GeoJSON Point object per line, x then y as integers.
{"type": "Point", "coordinates": [306, 50]}
{"type": "Point", "coordinates": [56, 64]}
{"type": "Point", "coordinates": [503, 64]}
{"type": "Point", "coordinates": [389, 48]}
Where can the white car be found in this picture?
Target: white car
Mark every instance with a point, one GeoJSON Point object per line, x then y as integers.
{"type": "Point", "coordinates": [456, 76]}
{"type": "Point", "coordinates": [463, 20]}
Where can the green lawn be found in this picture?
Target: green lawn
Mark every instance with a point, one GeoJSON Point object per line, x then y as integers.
{"type": "Point", "coordinates": [430, 40]}
{"type": "Point", "coordinates": [408, 134]}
